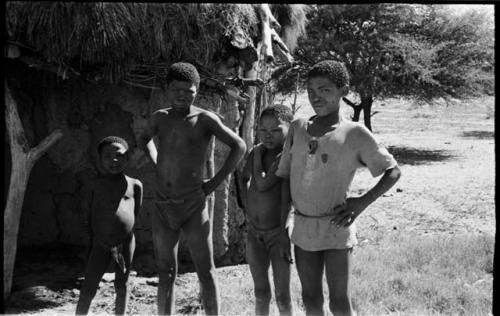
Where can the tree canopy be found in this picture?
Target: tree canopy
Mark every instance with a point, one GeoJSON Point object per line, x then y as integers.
{"type": "Point", "coordinates": [415, 50]}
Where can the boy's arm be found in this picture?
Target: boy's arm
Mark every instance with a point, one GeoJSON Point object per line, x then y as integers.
{"type": "Point", "coordinates": [145, 141]}
{"type": "Point", "coordinates": [246, 174]}
{"type": "Point", "coordinates": [345, 214]}
{"type": "Point", "coordinates": [237, 150]}
{"type": "Point", "coordinates": [263, 180]}
{"type": "Point", "coordinates": [285, 211]}
{"type": "Point", "coordinates": [137, 197]}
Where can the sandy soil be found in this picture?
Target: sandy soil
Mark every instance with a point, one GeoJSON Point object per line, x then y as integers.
{"type": "Point", "coordinates": [446, 154]}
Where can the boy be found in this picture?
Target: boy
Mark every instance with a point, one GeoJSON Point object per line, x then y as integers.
{"type": "Point", "coordinates": [319, 159]}
{"type": "Point", "coordinates": [184, 132]}
{"type": "Point", "coordinates": [262, 207]}
{"type": "Point", "coordinates": [111, 202]}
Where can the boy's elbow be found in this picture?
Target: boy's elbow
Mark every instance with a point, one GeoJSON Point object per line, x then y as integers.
{"type": "Point", "coordinates": [396, 173]}
{"type": "Point", "coordinates": [240, 147]}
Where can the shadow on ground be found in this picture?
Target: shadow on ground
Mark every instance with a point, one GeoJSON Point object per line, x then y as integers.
{"type": "Point", "coordinates": [28, 301]}
{"type": "Point", "coordinates": [415, 156]}
{"type": "Point", "coordinates": [478, 134]}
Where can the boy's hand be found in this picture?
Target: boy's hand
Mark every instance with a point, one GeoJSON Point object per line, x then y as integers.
{"type": "Point", "coordinates": [207, 187]}
{"type": "Point", "coordinates": [285, 247]}
{"type": "Point", "coordinates": [346, 213]}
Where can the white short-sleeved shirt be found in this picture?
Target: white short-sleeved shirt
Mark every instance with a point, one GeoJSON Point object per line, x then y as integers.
{"type": "Point", "coordinates": [320, 181]}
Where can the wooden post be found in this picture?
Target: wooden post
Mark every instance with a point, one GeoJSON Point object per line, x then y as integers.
{"type": "Point", "coordinates": [247, 129]}
{"type": "Point", "coordinates": [23, 160]}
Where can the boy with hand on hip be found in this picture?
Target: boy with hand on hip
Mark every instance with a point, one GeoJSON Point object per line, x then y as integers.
{"type": "Point", "coordinates": [184, 133]}
{"type": "Point", "coordinates": [262, 202]}
{"type": "Point", "coordinates": [318, 163]}
{"type": "Point", "coordinates": [111, 202]}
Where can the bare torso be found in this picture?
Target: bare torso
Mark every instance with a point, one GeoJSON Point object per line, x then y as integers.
{"type": "Point", "coordinates": [263, 209]}
{"type": "Point", "coordinates": [183, 142]}
{"type": "Point", "coordinates": [112, 208]}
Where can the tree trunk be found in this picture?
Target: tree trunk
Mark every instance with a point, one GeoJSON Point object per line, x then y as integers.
{"type": "Point", "coordinates": [357, 113]}
{"type": "Point", "coordinates": [23, 159]}
{"type": "Point", "coordinates": [366, 104]}
{"type": "Point", "coordinates": [356, 107]}
{"type": "Point", "coordinates": [247, 128]}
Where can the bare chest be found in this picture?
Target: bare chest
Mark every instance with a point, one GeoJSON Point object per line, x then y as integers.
{"type": "Point", "coordinates": [183, 133]}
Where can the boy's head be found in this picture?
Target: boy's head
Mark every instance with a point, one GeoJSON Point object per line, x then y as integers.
{"type": "Point", "coordinates": [274, 122]}
{"type": "Point", "coordinates": [327, 83]}
{"type": "Point", "coordinates": [182, 83]}
{"type": "Point", "coordinates": [113, 154]}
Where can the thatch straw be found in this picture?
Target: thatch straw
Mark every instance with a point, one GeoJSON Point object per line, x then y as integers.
{"type": "Point", "coordinates": [129, 39]}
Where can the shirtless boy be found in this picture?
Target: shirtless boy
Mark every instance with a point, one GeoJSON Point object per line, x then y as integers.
{"type": "Point", "coordinates": [111, 202]}
{"type": "Point", "coordinates": [262, 207]}
{"type": "Point", "coordinates": [184, 132]}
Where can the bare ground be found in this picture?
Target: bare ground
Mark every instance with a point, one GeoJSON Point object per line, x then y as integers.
{"type": "Point", "coordinates": [446, 154]}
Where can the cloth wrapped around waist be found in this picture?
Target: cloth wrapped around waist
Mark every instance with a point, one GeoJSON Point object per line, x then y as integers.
{"type": "Point", "coordinates": [175, 211]}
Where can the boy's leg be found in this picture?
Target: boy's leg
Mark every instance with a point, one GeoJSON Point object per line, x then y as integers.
{"type": "Point", "coordinates": [258, 261]}
{"type": "Point", "coordinates": [165, 242]}
{"type": "Point", "coordinates": [338, 265]}
{"type": "Point", "coordinates": [97, 263]}
{"type": "Point", "coordinates": [198, 233]}
{"type": "Point", "coordinates": [310, 266]}
{"type": "Point", "coordinates": [281, 276]}
{"type": "Point", "coordinates": [121, 279]}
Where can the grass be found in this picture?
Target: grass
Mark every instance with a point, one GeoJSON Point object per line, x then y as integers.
{"type": "Point", "coordinates": [395, 274]}
{"type": "Point", "coordinates": [431, 274]}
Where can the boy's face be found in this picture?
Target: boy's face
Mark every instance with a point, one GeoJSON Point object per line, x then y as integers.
{"type": "Point", "coordinates": [324, 95]}
{"type": "Point", "coordinates": [114, 158]}
{"type": "Point", "coordinates": [272, 132]}
{"type": "Point", "coordinates": [181, 94]}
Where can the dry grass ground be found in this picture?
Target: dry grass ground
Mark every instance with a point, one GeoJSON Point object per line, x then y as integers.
{"type": "Point", "coordinates": [426, 247]}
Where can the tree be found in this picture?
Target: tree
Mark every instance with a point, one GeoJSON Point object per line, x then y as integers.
{"type": "Point", "coordinates": [23, 159]}
{"type": "Point", "coordinates": [394, 50]}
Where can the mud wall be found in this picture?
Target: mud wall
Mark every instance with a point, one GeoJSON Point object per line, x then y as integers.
{"type": "Point", "coordinates": [87, 112]}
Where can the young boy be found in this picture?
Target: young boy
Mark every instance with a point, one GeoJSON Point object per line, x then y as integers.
{"type": "Point", "coordinates": [319, 159]}
{"type": "Point", "coordinates": [112, 202]}
{"type": "Point", "coordinates": [262, 207]}
{"type": "Point", "coordinates": [184, 132]}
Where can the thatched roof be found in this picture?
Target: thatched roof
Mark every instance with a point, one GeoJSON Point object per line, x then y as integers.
{"type": "Point", "coordinates": [137, 41]}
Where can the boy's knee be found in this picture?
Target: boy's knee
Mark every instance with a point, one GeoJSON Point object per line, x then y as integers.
{"type": "Point", "coordinates": [207, 277]}
{"type": "Point", "coordinates": [87, 292]}
{"type": "Point", "coordinates": [339, 301]}
{"type": "Point", "coordinates": [312, 300]}
{"type": "Point", "coordinates": [283, 299]}
{"type": "Point", "coordinates": [263, 293]}
{"type": "Point", "coordinates": [120, 287]}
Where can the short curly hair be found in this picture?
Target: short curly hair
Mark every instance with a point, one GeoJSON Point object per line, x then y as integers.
{"type": "Point", "coordinates": [111, 140]}
{"type": "Point", "coordinates": [333, 70]}
{"type": "Point", "coordinates": [279, 111]}
{"type": "Point", "coordinates": [183, 72]}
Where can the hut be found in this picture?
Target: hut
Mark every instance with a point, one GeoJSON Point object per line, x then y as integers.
{"type": "Point", "coordinates": [76, 72]}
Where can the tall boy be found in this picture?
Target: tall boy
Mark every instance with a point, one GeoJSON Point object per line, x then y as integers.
{"type": "Point", "coordinates": [111, 202]}
{"type": "Point", "coordinates": [262, 207]}
{"type": "Point", "coordinates": [319, 160]}
{"type": "Point", "coordinates": [184, 132]}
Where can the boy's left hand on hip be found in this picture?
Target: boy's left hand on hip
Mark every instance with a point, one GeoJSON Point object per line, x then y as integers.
{"type": "Point", "coordinates": [345, 214]}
